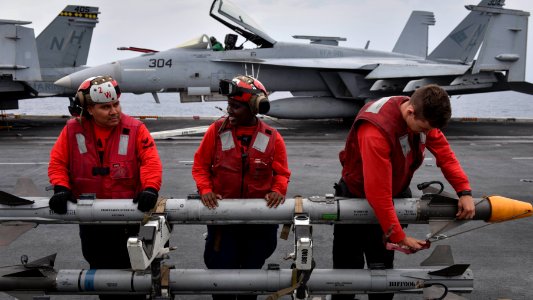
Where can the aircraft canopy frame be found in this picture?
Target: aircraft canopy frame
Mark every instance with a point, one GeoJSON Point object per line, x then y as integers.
{"type": "Point", "coordinates": [237, 20]}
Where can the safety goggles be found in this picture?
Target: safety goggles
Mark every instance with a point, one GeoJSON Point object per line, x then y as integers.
{"type": "Point", "coordinates": [231, 89]}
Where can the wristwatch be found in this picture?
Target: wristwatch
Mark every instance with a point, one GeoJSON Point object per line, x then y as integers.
{"type": "Point", "coordinates": [464, 193]}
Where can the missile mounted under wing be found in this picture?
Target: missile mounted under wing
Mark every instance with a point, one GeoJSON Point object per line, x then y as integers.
{"type": "Point", "coordinates": [29, 66]}
{"type": "Point", "coordinates": [327, 80]}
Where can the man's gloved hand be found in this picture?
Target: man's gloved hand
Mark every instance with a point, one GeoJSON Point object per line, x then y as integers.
{"type": "Point", "coordinates": [146, 199]}
{"type": "Point", "coordinates": [58, 202]}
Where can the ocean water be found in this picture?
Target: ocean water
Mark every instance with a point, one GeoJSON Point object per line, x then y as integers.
{"type": "Point", "coordinates": [487, 105]}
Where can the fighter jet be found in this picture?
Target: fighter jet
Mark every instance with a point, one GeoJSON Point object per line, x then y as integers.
{"type": "Point", "coordinates": [29, 66]}
{"type": "Point", "coordinates": [330, 81]}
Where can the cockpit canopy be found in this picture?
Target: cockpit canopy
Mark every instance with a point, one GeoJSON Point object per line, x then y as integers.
{"type": "Point", "coordinates": [201, 42]}
{"type": "Point", "coordinates": [234, 18]}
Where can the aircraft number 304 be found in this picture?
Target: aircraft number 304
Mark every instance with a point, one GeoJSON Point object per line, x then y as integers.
{"type": "Point", "coordinates": [159, 63]}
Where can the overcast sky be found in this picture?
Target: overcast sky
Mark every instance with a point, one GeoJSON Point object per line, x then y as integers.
{"type": "Point", "coordinates": [163, 24]}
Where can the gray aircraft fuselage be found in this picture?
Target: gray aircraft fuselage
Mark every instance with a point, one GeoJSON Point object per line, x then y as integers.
{"type": "Point", "coordinates": [178, 69]}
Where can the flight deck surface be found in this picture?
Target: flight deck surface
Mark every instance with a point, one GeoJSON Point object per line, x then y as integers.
{"type": "Point", "coordinates": [497, 157]}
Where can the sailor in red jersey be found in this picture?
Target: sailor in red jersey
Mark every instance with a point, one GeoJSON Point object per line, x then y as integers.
{"type": "Point", "coordinates": [107, 153]}
{"type": "Point", "coordinates": [241, 157]}
{"type": "Point", "coordinates": [383, 150]}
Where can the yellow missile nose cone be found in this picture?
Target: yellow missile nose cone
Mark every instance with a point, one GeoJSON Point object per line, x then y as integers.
{"type": "Point", "coordinates": [504, 209]}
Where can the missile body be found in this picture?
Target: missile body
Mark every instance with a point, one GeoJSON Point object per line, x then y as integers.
{"type": "Point", "coordinates": [199, 281]}
{"type": "Point", "coordinates": [247, 211]}
{"type": "Point", "coordinates": [322, 281]}
{"type": "Point", "coordinates": [27, 283]}
{"type": "Point", "coordinates": [94, 281]}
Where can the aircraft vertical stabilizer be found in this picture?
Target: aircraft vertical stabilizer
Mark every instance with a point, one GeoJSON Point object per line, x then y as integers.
{"type": "Point", "coordinates": [19, 58]}
{"type": "Point", "coordinates": [505, 45]}
{"type": "Point", "coordinates": [462, 44]}
{"type": "Point", "coordinates": [19, 62]}
{"type": "Point", "coordinates": [65, 42]}
{"type": "Point", "coordinates": [414, 38]}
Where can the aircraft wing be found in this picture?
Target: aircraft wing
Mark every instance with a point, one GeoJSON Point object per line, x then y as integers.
{"type": "Point", "coordinates": [379, 67]}
{"type": "Point", "coordinates": [416, 70]}
{"type": "Point", "coordinates": [347, 63]}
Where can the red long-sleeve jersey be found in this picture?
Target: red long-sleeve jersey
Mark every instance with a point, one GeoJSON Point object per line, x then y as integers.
{"type": "Point", "coordinates": [203, 160]}
{"type": "Point", "coordinates": [377, 170]}
{"type": "Point", "coordinates": [150, 163]}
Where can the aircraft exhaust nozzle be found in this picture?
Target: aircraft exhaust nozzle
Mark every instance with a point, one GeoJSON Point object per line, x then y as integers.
{"type": "Point", "coordinates": [505, 209]}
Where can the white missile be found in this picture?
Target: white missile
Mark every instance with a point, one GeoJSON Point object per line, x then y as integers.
{"type": "Point", "coordinates": [457, 278]}
{"type": "Point", "coordinates": [320, 210]}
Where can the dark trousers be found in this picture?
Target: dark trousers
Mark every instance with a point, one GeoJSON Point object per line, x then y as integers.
{"type": "Point", "coordinates": [104, 247]}
{"type": "Point", "coordinates": [353, 243]}
{"type": "Point", "coordinates": [239, 247]}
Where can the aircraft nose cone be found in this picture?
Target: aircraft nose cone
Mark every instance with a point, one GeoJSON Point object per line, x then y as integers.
{"type": "Point", "coordinates": [73, 80]}
{"type": "Point", "coordinates": [65, 82]}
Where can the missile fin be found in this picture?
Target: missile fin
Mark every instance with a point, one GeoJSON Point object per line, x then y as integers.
{"type": "Point", "coordinates": [454, 270]}
{"type": "Point", "coordinates": [10, 231]}
{"type": "Point", "coordinates": [12, 200]}
{"type": "Point", "coordinates": [47, 261]}
{"type": "Point", "coordinates": [25, 187]}
{"type": "Point", "coordinates": [440, 256]}
{"type": "Point", "coordinates": [36, 273]}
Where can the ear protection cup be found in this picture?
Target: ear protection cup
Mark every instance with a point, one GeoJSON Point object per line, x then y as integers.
{"type": "Point", "coordinates": [263, 105]}
{"type": "Point", "coordinates": [81, 98]}
{"type": "Point", "coordinates": [259, 104]}
{"type": "Point", "coordinates": [76, 105]}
